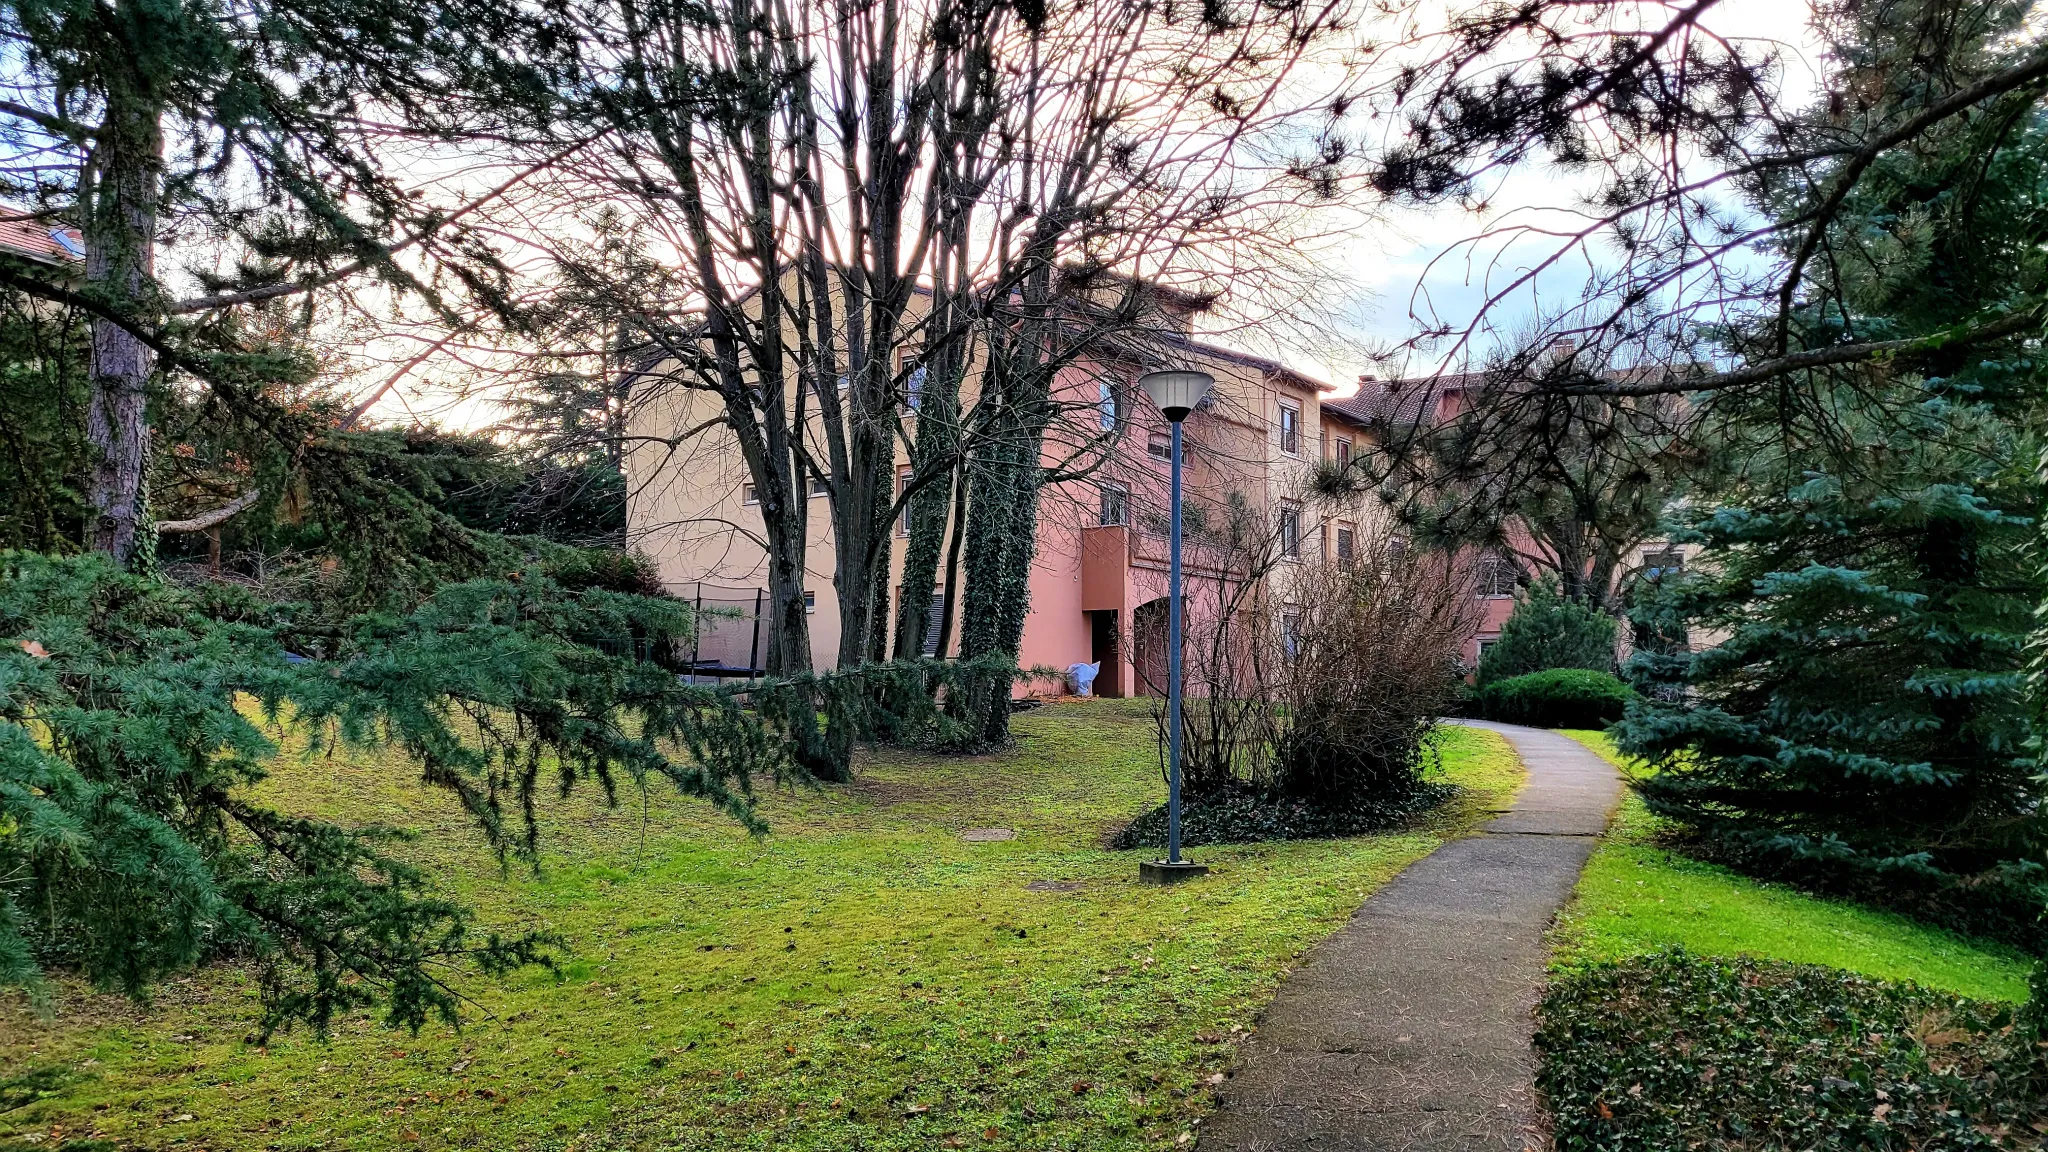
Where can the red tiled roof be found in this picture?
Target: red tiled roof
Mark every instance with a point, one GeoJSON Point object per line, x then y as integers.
{"type": "Point", "coordinates": [1398, 401]}
{"type": "Point", "coordinates": [36, 240]}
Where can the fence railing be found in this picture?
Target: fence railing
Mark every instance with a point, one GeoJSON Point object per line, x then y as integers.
{"type": "Point", "coordinates": [731, 638]}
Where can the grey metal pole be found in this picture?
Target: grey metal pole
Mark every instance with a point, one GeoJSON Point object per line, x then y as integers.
{"type": "Point", "coordinates": [1173, 670]}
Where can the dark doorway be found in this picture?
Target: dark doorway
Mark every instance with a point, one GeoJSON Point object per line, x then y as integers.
{"type": "Point", "coordinates": [1103, 649]}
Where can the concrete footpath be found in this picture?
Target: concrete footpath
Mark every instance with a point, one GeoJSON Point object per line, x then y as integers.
{"type": "Point", "coordinates": [1409, 1028]}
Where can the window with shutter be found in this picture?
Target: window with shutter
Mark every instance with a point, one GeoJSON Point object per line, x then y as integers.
{"type": "Point", "coordinates": [933, 623]}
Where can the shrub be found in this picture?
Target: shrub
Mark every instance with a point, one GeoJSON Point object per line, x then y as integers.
{"type": "Point", "coordinates": [1370, 675]}
{"type": "Point", "coordinates": [1320, 711]}
{"type": "Point", "coordinates": [1559, 698]}
{"type": "Point", "coordinates": [1677, 1051]}
{"type": "Point", "coordinates": [1548, 631]}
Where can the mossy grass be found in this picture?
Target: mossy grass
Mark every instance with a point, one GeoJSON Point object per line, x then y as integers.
{"type": "Point", "coordinates": [1637, 896]}
{"type": "Point", "coordinates": [860, 978]}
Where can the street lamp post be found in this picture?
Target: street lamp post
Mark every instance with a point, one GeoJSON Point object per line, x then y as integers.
{"type": "Point", "coordinates": [1176, 393]}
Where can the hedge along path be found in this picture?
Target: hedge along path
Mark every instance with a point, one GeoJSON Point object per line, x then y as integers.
{"type": "Point", "coordinates": [1410, 1027]}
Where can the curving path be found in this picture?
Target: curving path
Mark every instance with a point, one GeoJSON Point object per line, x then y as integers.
{"type": "Point", "coordinates": [1409, 1028]}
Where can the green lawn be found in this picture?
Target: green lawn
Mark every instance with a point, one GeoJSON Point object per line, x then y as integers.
{"type": "Point", "coordinates": [862, 978]}
{"type": "Point", "coordinates": [1637, 897]}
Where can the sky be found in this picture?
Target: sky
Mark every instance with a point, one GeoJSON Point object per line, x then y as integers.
{"type": "Point", "coordinates": [1408, 267]}
{"type": "Point", "coordinates": [1391, 270]}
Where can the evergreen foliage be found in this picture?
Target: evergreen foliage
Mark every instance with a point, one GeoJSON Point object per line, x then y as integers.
{"type": "Point", "coordinates": [136, 714]}
{"type": "Point", "coordinates": [1858, 723]}
{"type": "Point", "coordinates": [1861, 725]}
{"type": "Point", "coordinates": [42, 424]}
{"type": "Point", "coordinates": [1548, 631]}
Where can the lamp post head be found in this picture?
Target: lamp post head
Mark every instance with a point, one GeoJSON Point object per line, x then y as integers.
{"type": "Point", "coordinates": [1176, 391]}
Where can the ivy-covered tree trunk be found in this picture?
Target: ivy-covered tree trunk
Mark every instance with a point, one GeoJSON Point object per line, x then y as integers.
{"type": "Point", "coordinates": [119, 191]}
{"type": "Point", "coordinates": [1002, 537]}
{"type": "Point", "coordinates": [934, 451]}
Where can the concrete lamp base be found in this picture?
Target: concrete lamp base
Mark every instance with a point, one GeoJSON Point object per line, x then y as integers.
{"type": "Point", "coordinates": [1161, 872]}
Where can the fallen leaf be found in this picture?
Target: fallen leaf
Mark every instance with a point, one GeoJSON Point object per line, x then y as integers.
{"type": "Point", "coordinates": [409, 1136]}
{"type": "Point", "coordinates": [181, 1118]}
{"type": "Point", "coordinates": [458, 1066]}
{"type": "Point", "coordinates": [991, 1134]}
{"type": "Point", "coordinates": [1081, 1087]}
{"type": "Point", "coordinates": [35, 648]}
{"type": "Point", "coordinates": [1605, 1112]}
{"type": "Point", "coordinates": [918, 1109]}
{"type": "Point", "coordinates": [1880, 1112]}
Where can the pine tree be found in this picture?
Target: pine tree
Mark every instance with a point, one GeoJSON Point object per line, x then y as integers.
{"type": "Point", "coordinates": [1859, 724]}
{"type": "Point", "coordinates": [132, 735]}
{"type": "Point", "coordinates": [1852, 716]}
{"type": "Point", "coordinates": [1548, 631]}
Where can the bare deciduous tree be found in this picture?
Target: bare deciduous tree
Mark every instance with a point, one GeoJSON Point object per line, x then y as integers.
{"type": "Point", "coordinates": [918, 226]}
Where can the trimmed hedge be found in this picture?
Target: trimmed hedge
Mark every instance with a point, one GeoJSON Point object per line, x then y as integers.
{"type": "Point", "coordinates": [1558, 698]}
{"type": "Point", "coordinates": [1675, 1051]}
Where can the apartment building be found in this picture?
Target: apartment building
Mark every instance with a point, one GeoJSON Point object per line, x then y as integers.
{"type": "Point", "coordinates": [1098, 577]}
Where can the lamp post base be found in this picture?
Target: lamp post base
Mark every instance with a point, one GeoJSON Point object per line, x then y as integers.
{"type": "Point", "coordinates": [1162, 872]}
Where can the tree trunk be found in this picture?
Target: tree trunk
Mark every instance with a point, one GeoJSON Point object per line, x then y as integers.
{"type": "Point", "coordinates": [938, 442]}
{"type": "Point", "coordinates": [123, 180]}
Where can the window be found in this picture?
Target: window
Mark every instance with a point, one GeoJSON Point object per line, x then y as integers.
{"type": "Point", "coordinates": [1663, 562]}
{"type": "Point", "coordinates": [1496, 577]}
{"type": "Point", "coordinates": [1290, 633]}
{"type": "Point", "coordinates": [913, 388]}
{"type": "Point", "coordinates": [1115, 505]}
{"type": "Point", "coordinates": [1108, 407]}
{"type": "Point", "coordinates": [1160, 446]}
{"type": "Point", "coordinates": [1343, 451]}
{"type": "Point", "coordinates": [1397, 548]}
{"type": "Point", "coordinates": [933, 623]}
{"type": "Point", "coordinates": [1484, 645]}
{"type": "Point", "coordinates": [902, 486]}
{"type": "Point", "coordinates": [750, 495]}
{"type": "Point", "coordinates": [819, 486]}
{"type": "Point", "coordinates": [810, 602]}
{"type": "Point", "coordinates": [1347, 544]}
{"type": "Point", "coordinates": [1290, 531]}
{"type": "Point", "coordinates": [1290, 429]}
